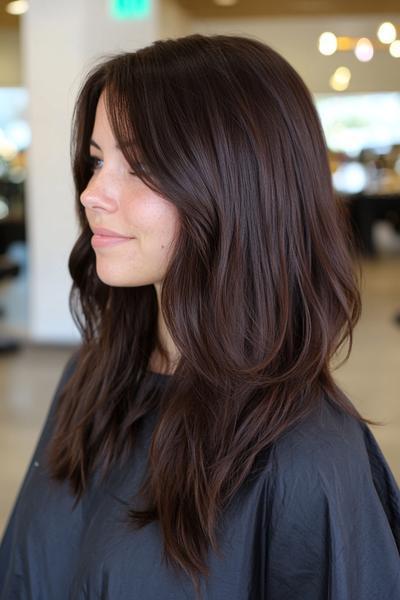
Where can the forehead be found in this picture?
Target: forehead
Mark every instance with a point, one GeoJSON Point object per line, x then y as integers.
{"type": "Point", "coordinates": [102, 133]}
{"type": "Point", "coordinates": [102, 129]}
{"type": "Point", "coordinates": [101, 117]}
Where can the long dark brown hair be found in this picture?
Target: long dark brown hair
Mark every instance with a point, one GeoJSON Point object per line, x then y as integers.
{"type": "Point", "coordinates": [261, 292]}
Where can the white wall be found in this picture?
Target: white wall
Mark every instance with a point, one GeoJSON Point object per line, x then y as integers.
{"type": "Point", "coordinates": [10, 60]}
{"type": "Point", "coordinates": [60, 42]}
{"type": "Point", "coordinates": [296, 39]}
{"type": "Point", "coordinates": [52, 50]}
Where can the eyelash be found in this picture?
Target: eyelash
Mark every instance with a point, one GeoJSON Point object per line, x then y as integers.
{"type": "Point", "coordinates": [93, 163]}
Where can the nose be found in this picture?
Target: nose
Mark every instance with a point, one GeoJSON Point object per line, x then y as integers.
{"type": "Point", "coordinates": [96, 196]}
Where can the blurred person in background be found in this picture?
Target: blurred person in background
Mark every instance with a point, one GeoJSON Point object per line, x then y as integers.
{"type": "Point", "coordinates": [197, 445]}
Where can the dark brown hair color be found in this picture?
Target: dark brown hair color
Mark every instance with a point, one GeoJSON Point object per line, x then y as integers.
{"type": "Point", "coordinates": [261, 292]}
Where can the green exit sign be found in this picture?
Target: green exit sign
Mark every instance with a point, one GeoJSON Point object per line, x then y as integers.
{"type": "Point", "coordinates": [124, 10]}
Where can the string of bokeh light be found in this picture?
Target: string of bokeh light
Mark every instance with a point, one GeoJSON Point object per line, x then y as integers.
{"type": "Point", "coordinates": [363, 48]}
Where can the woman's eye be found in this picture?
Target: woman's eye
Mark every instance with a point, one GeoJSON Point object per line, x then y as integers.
{"type": "Point", "coordinates": [95, 162]}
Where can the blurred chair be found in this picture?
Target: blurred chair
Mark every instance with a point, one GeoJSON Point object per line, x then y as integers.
{"type": "Point", "coordinates": [12, 229]}
{"type": "Point", "coordinates": [8, 269]}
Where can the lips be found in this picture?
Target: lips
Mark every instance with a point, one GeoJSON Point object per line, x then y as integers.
{"type": "Point", "coordinates": [102, 231]}
{"type": "Point", "coordinates": [104, 238]}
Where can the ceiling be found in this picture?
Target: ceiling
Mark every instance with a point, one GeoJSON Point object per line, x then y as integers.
{"type": "Point", "coordinates": [259, 8]}
{"type": "Point", "coordinates": [7, 20]}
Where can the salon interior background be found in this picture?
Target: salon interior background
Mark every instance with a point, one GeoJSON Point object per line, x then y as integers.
{"type": "Point", "coordinates": [44, 53]}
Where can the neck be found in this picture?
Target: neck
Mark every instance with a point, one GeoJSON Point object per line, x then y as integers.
{"type": "Point", "coordinates": [164, 359]}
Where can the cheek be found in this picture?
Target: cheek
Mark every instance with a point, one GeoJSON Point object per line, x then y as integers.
{"type": "Point", "coordinates": [168, 231]}
{"type": "Point", "coordinates": [163, 242]}
{"type": "Point", "coordinates": [158, 224]}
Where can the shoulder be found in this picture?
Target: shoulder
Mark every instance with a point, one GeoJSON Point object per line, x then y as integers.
{"type": "Point", "coordinates": [329, 463]}
{"type": "Point", "coordinates": [332, 510]}
{"type": "Point", "coordinates": [322, 463]}
{"type": "Point", "coordinates": [329, 510]}
{"type": "Point", "coordinates": [328, 442]}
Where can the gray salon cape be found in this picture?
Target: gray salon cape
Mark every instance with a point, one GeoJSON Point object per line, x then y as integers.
{"type": "Point", "coordinates": [320, 521]}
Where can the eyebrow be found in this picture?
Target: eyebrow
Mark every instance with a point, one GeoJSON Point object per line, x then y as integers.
{"type": "Point", "coordinates": [93, 143]}
{"type": "Point", "coordinates": [96, 145]}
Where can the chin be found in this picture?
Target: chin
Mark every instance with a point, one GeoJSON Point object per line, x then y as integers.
{"type": "Point", "coordinates": [116, 279]}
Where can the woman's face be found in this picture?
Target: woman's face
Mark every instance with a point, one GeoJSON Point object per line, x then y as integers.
{"type": "Point", "coordinates": [117, 200]}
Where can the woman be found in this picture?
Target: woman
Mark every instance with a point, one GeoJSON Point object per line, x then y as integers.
{"type": "Point", "coordinates": [197, 445]}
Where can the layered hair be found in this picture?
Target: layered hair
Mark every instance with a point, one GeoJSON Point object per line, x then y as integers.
{"type": "Point", "coordinates": [260, 294]}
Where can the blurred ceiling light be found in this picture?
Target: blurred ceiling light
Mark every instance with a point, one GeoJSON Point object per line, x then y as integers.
{"type": "Point", "coordinates": [18, 132]}
{"type": "Point", "coordinates": [350, 178]}
{"type": "Point", "coordinates": [225, 2]}
{"type": "Point", "coordinates": [340, 79]}
{"type": "Point", "coordinates": [17, 174]}
{"type": "Point", "coordinates": [345, 43]}
{"type": "Point", "coordinates": [394, 49]}
{"type": "Point", "coordinates": [8, 150]}
{"type": "Point", "coordinates": [364, 50]}
{"type": "Point", "coordinates": [4, 210]}
{"type": "Point", "coordinates": [17, 7]}
{"type": "Point", "coordinates": [387, 33]}
{"type": "Point", "coordinates": [327, 43]}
